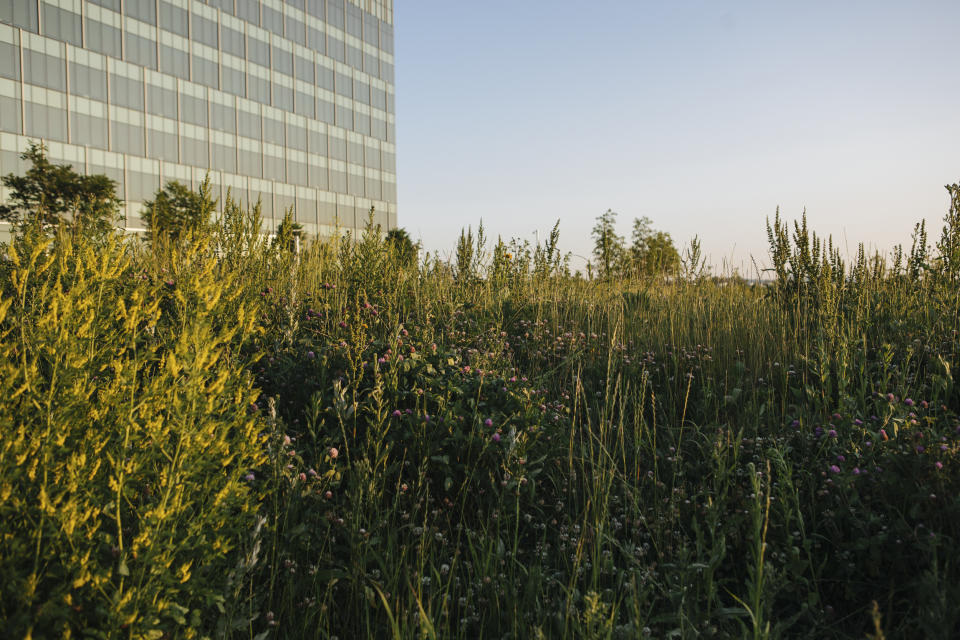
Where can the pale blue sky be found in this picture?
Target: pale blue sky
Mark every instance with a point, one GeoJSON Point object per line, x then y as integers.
{"type": "Point", "coordinates": [702, 115]}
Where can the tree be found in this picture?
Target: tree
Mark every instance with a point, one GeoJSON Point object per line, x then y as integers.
{"type": "Point", "coordinates": [178, 212]}
{"type": "Point", "coordinates": [652, 252]}
{"type": "Point", "coordinates": [288, 233]}
{"type": "Point", "coordinates": [50, 196]}
{"type": "Point", "coordinates": [399, 242]}
{"type": "Point", "coordinates": [607, 245]}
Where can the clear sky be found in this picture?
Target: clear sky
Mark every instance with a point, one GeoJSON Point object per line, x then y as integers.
{"type": "Point", "coordinates": [703, 115]}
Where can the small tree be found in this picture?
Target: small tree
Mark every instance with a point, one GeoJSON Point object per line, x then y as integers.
{"type": "Point", "coordinates": [399, 242]}
{"type": "Point", "coordinates": [288, 233]}
{"type": "Point", "coordinates": [50, 196]}
{"type": "Point", "coordinates": [608, 247]}
{"type": "Point", "coordinates": [652, 252]}
{"type": "Point", "coordinates": [178, 212]}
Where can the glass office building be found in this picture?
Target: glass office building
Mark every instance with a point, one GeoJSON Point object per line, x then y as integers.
{"type": "Point", "coordinates": [286, 101]}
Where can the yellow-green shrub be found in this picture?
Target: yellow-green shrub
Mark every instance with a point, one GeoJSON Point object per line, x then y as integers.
{"type": "Point", "coordinates": [125, 437]}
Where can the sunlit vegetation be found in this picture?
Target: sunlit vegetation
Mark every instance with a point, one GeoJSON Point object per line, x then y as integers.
{"type": "Point", "coordinates": [217, 435]}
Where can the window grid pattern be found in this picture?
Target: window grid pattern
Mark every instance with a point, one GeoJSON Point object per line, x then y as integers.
{"type": "Point", "coordinates": [266, 93]}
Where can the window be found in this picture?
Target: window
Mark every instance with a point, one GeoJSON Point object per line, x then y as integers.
{"type": "Point", "coordinates": [174, 61]}
{"type": "Point", "coordinates": [193, 145]}
{"type": "Point", "coordinates": [10, 119]}
{"type": "Point", "coordinates": [386, 38]}
{"type": "Point", "coordinates": [258, 83]}
{"type": "Point", "coordinates": [249, 158]}
{"type": "Point", "coordinates": [43, 63]}
{"type": "Point", "coordinates": [317, 139]}
{"type": "Point", "coordinates": [141, 48]}
{"type": "Point", "coordinates": [324, 76]}
{"type": "Point", "coordinates": [248, 120]}
{"type": "Point", "coordinates": [126, 131]}
{"type": "Point", "coordinates": [273, 165]}
{"type": "Point", "coordinates": [338, 145]}
{"type": "Point", "coordinates": [223, 116]}
{"type": "Point", "coordinates": [232, 77]}
{"type": "Point", "coordinates": [282, 60]}
{"type": "Point", "coordinates": [20, 13]}
{"type": "Point", "coordinates": [316, 39]}
{"type": "Point", "coordinates": [231, 41]}
{"type": "Point", "coordinates": [161, 96]}
{"type": "Point", "coordinates": [273, 127]}
{"type": "Point", "coordinates": [295, 30]}
{"type": "Point", "coordinates": [9, 53]}
{"type": "Point", "coordinates": [206, 70]}
{"type": "Point", "coordinates": [193, 105]}
{"type": "Point", "coordinates": [354, 21]}
{"type": "Point", "coordinates": [204, 30]}
{"type": "Point", "coordinates": [126, 92]}
{"type": "Point", "coordinates": [371, 29]}
{"type": "Point", "coordinates": [296, 133]}
{"type": "Point", "coordinates": [162, 139]}
{"type": "Point", "coordinates": [371, 64]}
{"type": "Point", "coordinates": [249, 10]}
{"type": "Point", "coordinates": [335, 49]}
{"type": "Point", "coordinates": [258, 50]}
{"type": "Point", "coordinates": [174, 19]}
{"type": "Point", "coordinates": [354, 57]}
{"type": "Point", "coordinates": [223, 148]}
{"type": "Point", "coordinates": [103, 31]}
{"type": "Point", "coordinates": [317, 171]}
{"type": "Point", "coordinates": [335, 16]}
{"type": "Point", "coordinates": [142, 10]}
{"type": "Point", "coordinates": [361, 91]}
{"type": "Point", "coordinates": [317, 8]}
{"type": "Point", "coordinates": [61, 20]}
{"type": "Point", "coordinates": [371, 157]}
{"type": "Point", "coordinates": [344, 85]}
{"type": "Point", "coordinates": [304, 102]}
{"type": "Point", "coordinates": [44, 113]}
{"type": "Point", "coordinates": [303, 68]}
{"type": "Point", "coordinates": [272, 19]}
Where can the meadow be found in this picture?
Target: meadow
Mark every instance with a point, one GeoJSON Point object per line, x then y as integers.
{"type": "Point", "coordinates": [221, 438]}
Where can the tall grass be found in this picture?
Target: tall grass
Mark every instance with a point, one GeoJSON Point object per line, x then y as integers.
{"type": "Point", "coordinates": [218, 438]}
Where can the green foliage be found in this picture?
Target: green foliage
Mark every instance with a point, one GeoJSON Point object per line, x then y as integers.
{"type": "Point", "coordinates": [289, 233]}
{"type": "Point", "coordinates": [178, 213]}
{"type": "Point", "coordinates": [398, 240]}
{"type": "Point", "coordinates": [215, 439]}
{"type": "Point", "coordinates": [49, 197]}
{"type": "Point", "coordinates": [608, 247]}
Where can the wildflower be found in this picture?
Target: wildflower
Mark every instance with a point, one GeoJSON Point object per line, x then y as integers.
{"type": "Point", "coordinates": [856, 471]}
{"type": "Point", "coordinates": [311, 355]}
{"type": "Point", "coordinates": [834, 469]}
{"type": "Point", "coordinates": [488, 422]}
{"type": "Point", "coordinates": [328, 494]}
{"type": "Point", "coordinates": [883, 434]}
{"type": "Point", "coordinates": [908, 402]}
{"type": "Point", "coordinates": [938, 465]}
{"type": "Point", "coordinates": [333, 452]}
{"type": "Point", "coordinates": [496, 437]}
{"type": "Point", "coordinates": [832, 433]}
{"type": "Point", "coordinates": [891, 397]}
{"type": "Point", "coordinates": [249, 477]}
{"type": "Point", "coordinates": [921, 448]}
{"type": "Point", "coordinates": [396, 413]}
{"type": "Point", "coordinates": [858, 422]}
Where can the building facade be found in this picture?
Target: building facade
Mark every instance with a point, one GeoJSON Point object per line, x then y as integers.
{"type": "Point", "coordinates": [287, 101]}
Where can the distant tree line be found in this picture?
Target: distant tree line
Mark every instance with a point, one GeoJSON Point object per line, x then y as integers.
{"type": "Point", "coordinates": [651, 252]}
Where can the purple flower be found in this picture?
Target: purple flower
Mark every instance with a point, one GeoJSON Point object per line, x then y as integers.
{"type": "Point", "coordinates": [908, 402]}
{"type": "Point", "coordinates": [891, 397]}
{"type": "Point", "coordinates": [834, 469]}
{"type": "Point", "coordinates": [249, 477]}
{"type": "Point", "coordinates": [496, 437]}
{"type": "Point", "coordinates": [921, 448]}
{"type": "Point", "coordinates": [488, 422]}
{"type": "Point", "coordinates": [832, 433]}
{"type": "Point", "coordinates": [311, 355]}
{"type": "Point", "coordinates": [938, 465]}
{"type": "Point", "coordinates": [856, 471]}
{"type": "Point", "coordinates": [858, 422]}
{"type": "Point", "coordinates": [396, 413]}
{"type": "Point", "coordinates": [841, 459]}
